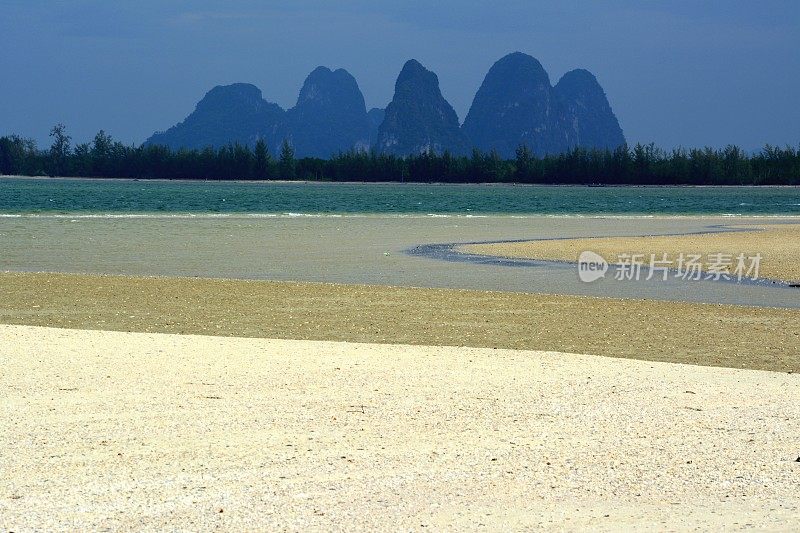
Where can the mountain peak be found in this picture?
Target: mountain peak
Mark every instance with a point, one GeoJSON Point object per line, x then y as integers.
{"type": "Point", "coordinates": [520, 65]}
{"type": "Point", "coordinates": [520, 58]}
{"type": "Point", "coordinates": [323, 81]}
{"type": "Point", "coordinates": [516, 105]}
{"type": "Point", "coordinates": [239, 88]}
{"type": "Point", "coordinates": [593, 122]}
{"type": "Point", "coordinates": [323, 72]}
{"type": "Point", "coordinates": [411, 67]}
{"type": "Point", "coordinates": [236, 93]}
{"type": "Point", "coordinates": [578, 76]}
{"type": "Point", "coordinates": [330, 115]}
{"type": "Point", "coordinates": [419, 119]}
{"type": "Point", "coordinates": [414, 72]}
{"type": "Point", "coordinates": [513, 106]}
{"type": "Point", "coordinates": [319, 72]}
{"type": "Point", "coordinates": [235, 113]}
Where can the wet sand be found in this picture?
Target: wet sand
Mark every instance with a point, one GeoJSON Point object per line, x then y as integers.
{"type": "Point", "coordinates": [701, 334]}
{"type": "Point", "coordinates": [779, 246]}
{"type": "Point", "coordinates": [352, 250]}
{"type": "Point", "coordinates": [125, 431]}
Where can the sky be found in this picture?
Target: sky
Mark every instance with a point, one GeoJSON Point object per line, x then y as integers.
{"type": "Point", "coordinates": [678, 73]}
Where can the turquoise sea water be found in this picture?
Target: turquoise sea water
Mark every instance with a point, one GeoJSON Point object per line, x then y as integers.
{"type": "Point", "coordinates": [24, 195]}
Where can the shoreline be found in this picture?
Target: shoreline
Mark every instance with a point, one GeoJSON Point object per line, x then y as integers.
{"type": "Point", "coordinates": [249, 214]}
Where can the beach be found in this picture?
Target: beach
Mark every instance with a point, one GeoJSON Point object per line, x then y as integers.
{"type": "Point", "coordinates": [383, 370]}
{"type": "Point", "coordinates": [399, 266]}
{"type": "Point", "coordinates": [123, 431]}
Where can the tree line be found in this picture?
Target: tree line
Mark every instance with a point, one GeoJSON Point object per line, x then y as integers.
{"type": "Point", "coordinates": [640, 165]}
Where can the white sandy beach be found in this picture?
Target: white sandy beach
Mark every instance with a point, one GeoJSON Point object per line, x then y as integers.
{"type": "Point", "coordinates": [108, 430]}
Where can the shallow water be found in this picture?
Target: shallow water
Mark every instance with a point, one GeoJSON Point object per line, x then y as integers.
{"type": "Point", "coordinates": [359, 233]}
{"type": "Point", "coordinates": [360, 249]}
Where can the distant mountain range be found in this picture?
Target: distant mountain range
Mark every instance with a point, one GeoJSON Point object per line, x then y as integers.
{"type": "Point", "coordinates": [516, 105]}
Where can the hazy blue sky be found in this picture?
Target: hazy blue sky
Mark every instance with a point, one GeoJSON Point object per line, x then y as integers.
{"type": "Point", "coordinates": [684, 72]}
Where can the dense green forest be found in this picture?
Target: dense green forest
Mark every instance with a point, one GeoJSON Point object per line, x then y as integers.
{"type": "Point", "coordinates": [644, 165]}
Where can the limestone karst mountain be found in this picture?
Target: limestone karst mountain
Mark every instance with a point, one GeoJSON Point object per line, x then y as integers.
{"type": "Point", "coordinates": [419, 119]}
{"type": "Point", "coordinates": [329, 117]}
{"type": "Point", "coordinates": [591, 122]}
{"type": "Point", "coordinates": [515, 105]}
{"type": "Point", "coordinates": [227, 114]}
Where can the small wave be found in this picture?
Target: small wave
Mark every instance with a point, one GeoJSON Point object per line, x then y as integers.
{"type": "Point", "coordinates": [311, 215]}
{"type": "Point", "coordinates": [73, 216]}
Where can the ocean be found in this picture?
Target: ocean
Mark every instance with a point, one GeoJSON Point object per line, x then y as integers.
{"type": "Point", "coordinates": [83, 196]}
